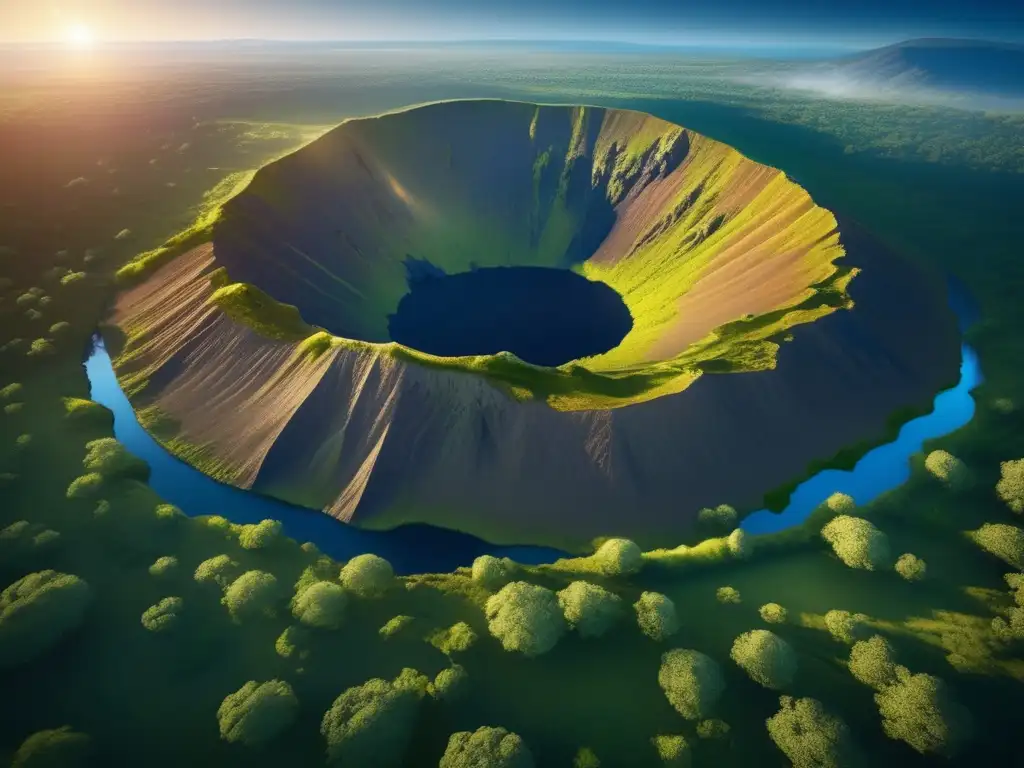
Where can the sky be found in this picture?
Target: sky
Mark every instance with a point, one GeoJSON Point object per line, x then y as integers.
{"type": "Point", "coordinates": [845, 23]}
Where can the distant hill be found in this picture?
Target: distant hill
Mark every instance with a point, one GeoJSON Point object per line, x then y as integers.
{"type": "Point", "coordinates": [975, 66]}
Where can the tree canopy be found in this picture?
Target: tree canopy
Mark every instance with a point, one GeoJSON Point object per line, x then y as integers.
{"type": "Point", "coordinates": [321, 605]}
{"type": "Point", "coordinates": [589, 609]}
{"type": "Point", "coordinates": [692, 682]}
{"type": "Point", "coordinates": [619, 557]}
{"type": "Point", "coordinates": [36, 611]}
{"type": "Point", "coordinates": [873, 662]}
{"type": "Point", "coordinates": [253, 593]}
{"type": "Point", "coordinates": [487, 746]}
{"type": "Point", "coordinates": [1010, 487]}
{"type": "Point", "coordinates": [367, 575]}
{"type": "Point", "coordinates": [857, 542]}
{"type": "Point", "coordinates": [257, 712]}
{"type": "Point", "coordinates": [811, 737]}
{"type": "Point", "coordinates": [1004, 541]}
{"type": "Point", "coordinates": [525, 618]}
{"type": "Point", "coordinates": [656, 615]}
{"type": "Point", "coordinates": [765, 657]}
{"type": "Point", "coordinates": [493, 573]}
{"type": "Point", "coordinates": [55, 748]}
{"type": "Point", "coordinates": [163, 615]}
{"type": "Point", "coordinates": [919, 710]}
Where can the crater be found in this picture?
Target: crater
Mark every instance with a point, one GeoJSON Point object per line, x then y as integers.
{"type": "Point", "coordinates": [536, 324]}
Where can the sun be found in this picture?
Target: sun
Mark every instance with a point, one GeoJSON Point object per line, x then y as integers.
{"type": "Point", "coordinates": [80, 36]}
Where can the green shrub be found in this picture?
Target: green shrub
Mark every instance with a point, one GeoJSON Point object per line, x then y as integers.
{"type": "Point", "coordinates": [911, 567]}
{"type": "Point", "coordinates": [727, 595]}
{"type": "Point", "coordinates": [673, 751]}
{"type": "Point", "coordinates": [164, 615]}
{"type": "Point", "coordinates": [26, 300]}
{"type": "Point", "coordinates": [765, 657]}
{"type": "Point", "coordinates": [164, 565]}
{"type": "Point", "coordinates": [873, 663]}
{"type": "Point", "coordinates": [59, 329]}
{"type": "Point", "coordinates": [87, 412]}
{"type": "Point", "coordinates": [450, 683]}
{"type": "Point", "coordinates": [457, 638]}
{"type": "Point", "coordinates": [257, 712]}
{"type": "Point", "coordinates": [490, 747]}
{"type": "Point", "coordinates": [111, 459]}
{"type": "Point", "coordinates": [36, 611]}
{"type": "Point", "coordinates": [218, 570]}
{"type": "Point", "coordinates": [57, 748]}
{"type": "Point", "coordinates": [292, 642]}
{"type": "Point", "coordinates": [261, 535]}
{"type": "Point", "coordinates": [717, 521]}
{"type": "Point", "coordinates": [168, 513]}
{"type": "Point", "coordinates": [712, 729]}
{"type": "Point", "coordinates": [617, 557]}
{"type": "Point", "coordinates": [41, 347]}
{"type": "Point", "coordinates": [371, 724]}
{"type": "Point", "coordinates": [367, 576]}
{"type": "Point", "coordinates": [1004, 541]}
{"type": "Point", "coordinates": [919, 710]}
{"type": "Point", "coordinates": [86, 486]}
{"type": "Point", "coordinates": [23, 441]}
{"type": "Point", "coordinates": [525, 618]}
{"type": "Point", "coordinates": [254, 593]}
{"type": "Point", "coordinates": [844, 626]}
{"type": "Point", "coordinates": [491, 572]}
{"type": "Point", "coordinates": [321, 605]}
{"type": "Point", "coordinates": [395, 625]}
{"type": "Point", "coordinates": [585, 758]}
{"type": "Point", "coordinates": [589, 609]}
{"type": "Point", "coordinates": [21, 541]}
{"type": "Point", "coordinates": [11, 391]}
{"type": "Point", "coordinates": [773, 613]}
{"type": "Point", "coordinates": [949, 470]}
{"type": "Point", "coordinates": [656, 615]}
{"type": "Point", "coordinates": [13, 408]}
{"type": "Point", "coordinates": [692, 682]}
{"type": "Point", "coordinates": [72, 278]}
{"type": "Point", "coordinates": [857, 542]}
{"type": "Point", "coordinates": [811, 737]}
{"type": "Point", "coordinates": [840, 503]}
{"type": "Point", "coordinates": [1010, 487]}
{"type": "Point", "coordinates": [739, 544]}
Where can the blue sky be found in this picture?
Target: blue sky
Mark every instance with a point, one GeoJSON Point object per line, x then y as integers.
{"type": "Point", "coordinates": [858, 23]}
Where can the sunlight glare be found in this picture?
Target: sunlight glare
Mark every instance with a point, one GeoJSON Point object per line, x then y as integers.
{"type": "Point", "coordinates": [80, 36]}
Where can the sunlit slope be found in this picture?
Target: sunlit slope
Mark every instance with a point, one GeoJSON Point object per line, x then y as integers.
{"type": "Point", "coordinates": [766, 336]}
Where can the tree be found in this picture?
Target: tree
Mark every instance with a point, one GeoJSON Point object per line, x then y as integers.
{"type": "Point", "coordinates": [773, 613]}
{"type": "Point", "coordinates": [765, 657]}
{"type": "Point", "coordinates": [712, 729]}
{"type": "Point", "coordinates": [728, 595]}
{"type": "Point", "coordinates": [719, 520]}
{"type": "Point", "coordinates": [261, 535]}
{"type": "Point", "coordinates": [811, 737]}
{"type": "Point", "coordinates": [56, 748]}
{"type": "Point", "coordinates": [919, 710]}
{"type": "Point", "coordinates": [291, 642]}
{"type": "Point", "coordinates": [841, 503]}
{"type": "Point", "coordinates": [36, 611]}
{"type": "Point", "coordinates": [692, 682]}
{"type": "Point", "coordinates": [367, 576]}
{"type": "Point", "coordinates": [164, 565]}
{"type": "Point", "coordinates": [457, 638]}
{"type": "Point", "coordinates": [395, 625]}
{"type": "Point", "coordinates": [619, 557]}
{"type": "Point", "coordinates": [490, 747]}
{"type": "Point", "coordinates": [585, 758]}
{"type": "Point", "coordinates": [257, 712]}
{"type": "Point", "coordinates": [525, 618]}
{"type": "Point", "coordinates": [491, 572]}
{"type": "Point", "coordinates": [163, 615]}
{"type": "Point", "coordinates": [111, 459]}
{"type": "Point", "coordinates": [857, 542]}
{"type": "Point", "coordinates": [873, 662]}
{"type": "Point", "coordinates": [320, 605]}
{"type": "Point", "coordinates": [1010, 487]}
{"type": "Point", "coordinates": [218, 570]}
{"type": "Point", "coordinates": [589, 609]}
{"type": "Point", "coordinates": [673, 751]}
{"type": "Point", "coordinates": [370, 725]}
{"type": "Point", "coordinates": [911, 567]}
{"type": "Point", "coordinates": [844, 626]}
{"type": "Point", "coordinates": [450, 683]}
{"type": "Point", "coordinates": [85, 486]}
{"type": "Point", "coordinates": [739, 544]}
{"type": "Point", "coordinates": [254, 593]}
{"type": "Point", "coordinates": [949, 470]}
{"type": "Point", "coordinates": [656, 615]}
{"type": "Point", "coordinates": [1004, 541]}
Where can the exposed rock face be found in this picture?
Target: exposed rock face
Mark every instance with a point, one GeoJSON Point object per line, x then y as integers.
{"type": "Point", "coordinates": [693, 409]}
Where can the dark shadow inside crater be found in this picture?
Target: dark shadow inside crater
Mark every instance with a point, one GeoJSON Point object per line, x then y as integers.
{"type": "Point", "coordinates": [542, 315]}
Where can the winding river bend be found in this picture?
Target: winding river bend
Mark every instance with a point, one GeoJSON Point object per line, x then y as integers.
{"type": "Point", "coordinates": [426, 549]}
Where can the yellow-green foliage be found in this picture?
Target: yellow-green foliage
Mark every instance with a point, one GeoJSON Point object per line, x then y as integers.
{"type": "Point", "coordinates": [164, 565]}
{"type": "Point", "coordinates": [857, 542]}
{"type": "Point", "coordinates": [873, 663]}
{"type": "Point", "coordinates": [220, 570]}
{"type": "Point", "coordinates": [692, 682]}
{"type": "Point", "coordinates": [250, 306]}
{"type": "Point", "coordinates": [1004, 541]}
{"type": "Point", "coordinates": [41, 347]}
{"type": "Point", "coordinates": [712, 729]}
{"type": "Point", "coordinates": [72, 277]}
{"type": "Point", "coordinates": [111, 459]}
{"type": "Point", "coordinates": [87, 411]}
{"type": "Point", "coordinates": [163, 615]}
{"type": "Point", "coordinates": [773, 613]}
{"type": "Point", "coordinates": [525, 618]}
{"type": "Point", "coordinates": [395, 625]}
{"type": "Point", "coordinates": [321, 605]}
{"type": "Point", "coordinates": [457, 638]}
{"type": "Point", "coordinates": [58, 748]}
{"type": "Point", "coordinates": [85, 486]}
{"type": "Point", "coordinates": [146, 263]}
{"type": "Point", "coordinates": [371, 724]}
{"type": "Point", "coordinates": [367, 576]}
{"type": "Point", "coordinates": [811, 737]}
{"type": "Point", "coordinates": [1011, 484]}
{"type": "Point", "coordinates": [61, 328]}
{"type": "Point", "coordinates": [589, 609]}
{"type": "Point", "coordinates": [920, 710]}
{"type": "Point", "coordinates": [291, 642]}
{"type": "Point", "coordinates": [254, 593]}
{"type": "Point", "coordinates": [656, 616]}
{"type": "Point", "coordinates": [36, 611]}
{"type": "Point", "coordinates": [765, 657]}
{"type": "Point", "coordinates": [911, 567]}
{"type": "Point", "coordinates": [168, 513]}
{"type": "Point", "coordinates": [486, 746]}
{"type": "Point", "coordinates": [844, 626]}
{"type": "Point", "coordinates": [259, 536]}
{"type": "Point", "coordinates": [719, 520]}
{"type": "Point", "coordinates": [586, 758]}
{"type": "Point", "coordinates": [491, 572]}
{"type": "Point", "coordinates": [257, 712]}
{"type": "Point", "coordinates": [728, 595]}
{"type": "Point", "coordinates": [618, 557]}
{"type": "Point", "coordinates": [11, 391]}
{"type": "Point", "coordinates": [948, 469]}
{"type": "Point", "coordinates": [673, 751]}
{"type": "Point", "coordinates": [22, 541]}
{"type": "Point", "coordinates": [450, 683]}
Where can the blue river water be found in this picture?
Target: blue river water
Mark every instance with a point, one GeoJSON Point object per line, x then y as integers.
{"type": "Point", "coordinates": [426, 549]}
